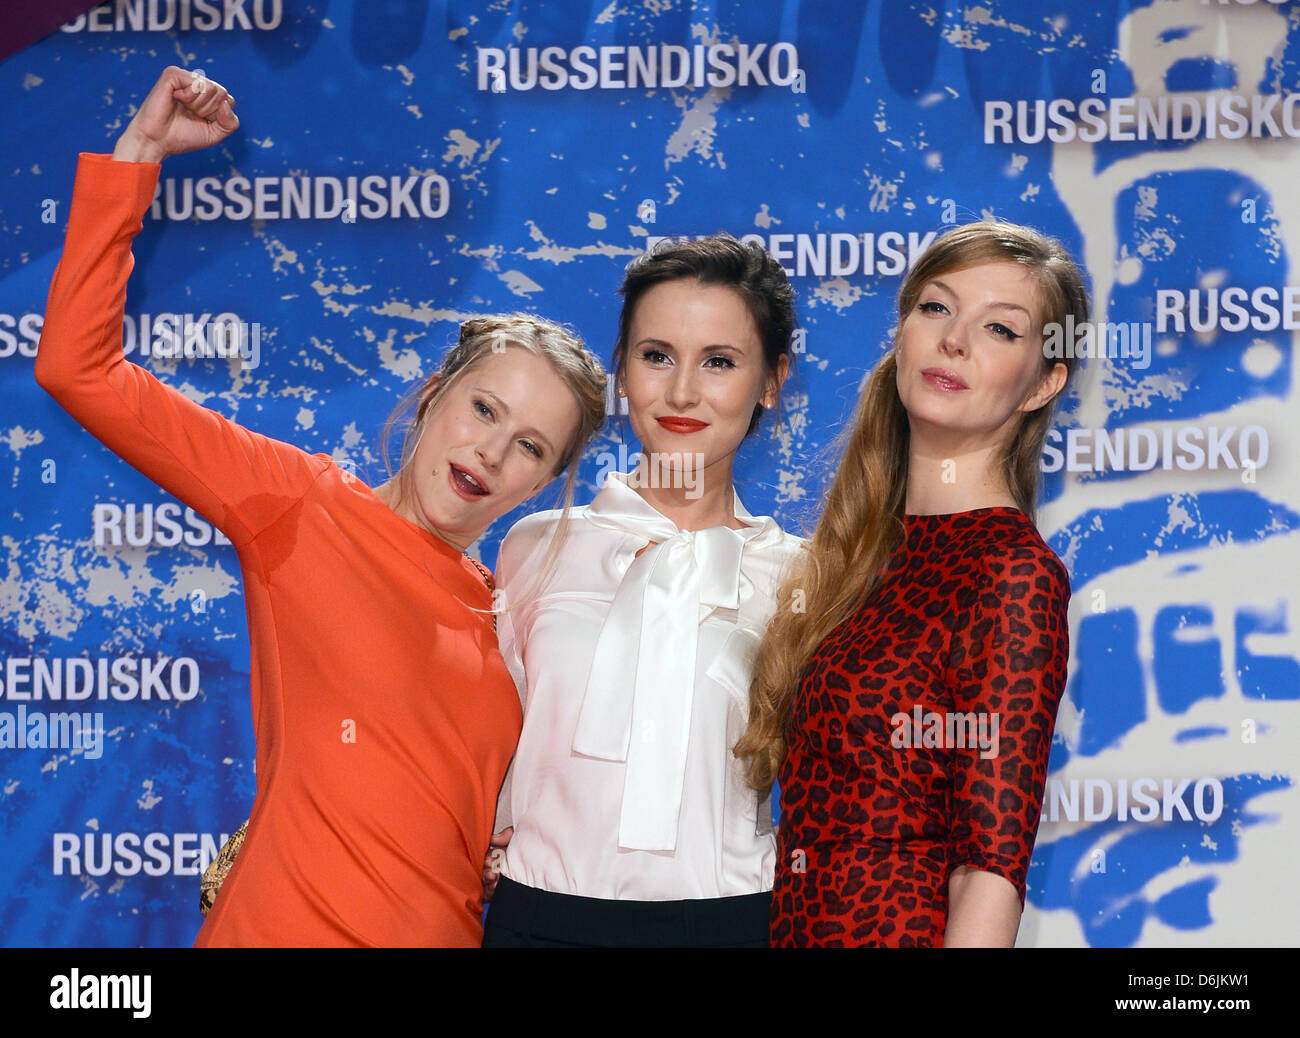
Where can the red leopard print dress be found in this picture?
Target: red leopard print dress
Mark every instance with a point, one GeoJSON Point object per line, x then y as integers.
{"type": "Point", "coordinates": [894, 777]}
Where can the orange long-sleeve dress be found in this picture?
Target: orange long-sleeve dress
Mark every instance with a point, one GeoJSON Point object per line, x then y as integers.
{"type": "Point", "coordinates": [384, 713]}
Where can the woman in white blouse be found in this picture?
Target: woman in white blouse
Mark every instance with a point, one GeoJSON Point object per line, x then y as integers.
{"type": "Point", "coordinates": [632, 821]}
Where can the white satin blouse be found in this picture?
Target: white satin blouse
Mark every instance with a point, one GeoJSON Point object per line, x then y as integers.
{"type": "Point", "coordinates": [634, 674]}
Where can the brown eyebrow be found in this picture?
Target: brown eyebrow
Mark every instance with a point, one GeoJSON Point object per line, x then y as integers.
{"type": "Point", "coordinates": [669, 345]}
{"type": "Point", "coordinates": [1009, 306]}
{"type": "Point", "coordinates": [506, 408]}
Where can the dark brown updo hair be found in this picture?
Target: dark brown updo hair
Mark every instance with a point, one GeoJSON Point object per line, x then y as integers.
{"type": "Point", "coordinates": [718, 259]}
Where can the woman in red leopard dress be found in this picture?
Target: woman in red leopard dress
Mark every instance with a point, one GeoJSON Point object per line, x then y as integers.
{"type": "Point", "coordinates": [906, 706]}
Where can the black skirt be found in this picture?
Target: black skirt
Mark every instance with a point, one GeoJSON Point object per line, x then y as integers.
{"type": "Point", "coordinates": [524, 917]}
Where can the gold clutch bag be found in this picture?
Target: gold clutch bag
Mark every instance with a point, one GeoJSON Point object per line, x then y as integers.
{"type": "Point", "coordinates": [215, 874]}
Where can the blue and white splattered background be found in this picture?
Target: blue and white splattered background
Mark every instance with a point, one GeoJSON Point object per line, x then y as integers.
{"type": "Point", "coordinates": [1185, 652]}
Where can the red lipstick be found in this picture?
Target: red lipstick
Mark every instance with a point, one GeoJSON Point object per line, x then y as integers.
{"type": "Point", "coordinates": [678, 424]}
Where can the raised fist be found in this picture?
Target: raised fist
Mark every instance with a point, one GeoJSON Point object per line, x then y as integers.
{"type": "Point", "coordinates": [184, 111]}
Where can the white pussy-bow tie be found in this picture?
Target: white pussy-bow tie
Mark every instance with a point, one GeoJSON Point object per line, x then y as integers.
{"type": "Point", "coordinates": [637, 707]}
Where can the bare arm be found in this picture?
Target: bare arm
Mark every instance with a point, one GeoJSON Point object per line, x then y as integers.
{"type": "Point", "coordinates": [983, 910]}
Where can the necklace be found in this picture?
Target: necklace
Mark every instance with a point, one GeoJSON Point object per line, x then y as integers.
{"type": "Point", "coordinates": [491, 586]}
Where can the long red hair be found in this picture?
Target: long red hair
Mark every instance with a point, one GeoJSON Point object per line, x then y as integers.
{"type": "Point", "coordinates": [862, 518]}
